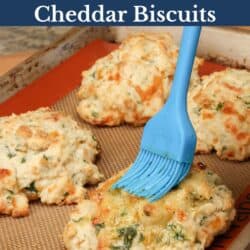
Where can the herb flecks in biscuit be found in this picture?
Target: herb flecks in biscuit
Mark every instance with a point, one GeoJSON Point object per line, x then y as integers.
{"type": "Point", "coordinates": [189, 217]}
{"type": "Point", "coordinates": [220, 112]}
{"type": "Point", "coordinates": [44, 155]}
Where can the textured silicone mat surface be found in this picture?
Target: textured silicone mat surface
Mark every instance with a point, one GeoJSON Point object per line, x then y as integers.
{"type": "Point", "coordinates": [42, 229]}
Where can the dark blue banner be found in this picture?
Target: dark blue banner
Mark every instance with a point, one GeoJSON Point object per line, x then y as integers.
{"type": "Point", "coordinates": [115, 12]}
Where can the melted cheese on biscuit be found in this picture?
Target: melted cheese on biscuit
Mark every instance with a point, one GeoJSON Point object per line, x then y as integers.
{"type": "Point", "coordinates": [220, 112]}
{"type": "Point", "coordinates": [132, 83]}
{"type": "Point", "coordinates": [189, 217]}
{"type": "Point", "coordinates": [46, 155]}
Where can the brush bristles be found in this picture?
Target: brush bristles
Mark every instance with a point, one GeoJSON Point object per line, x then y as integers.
{"type": "Point", "coordinates": [152, 176]}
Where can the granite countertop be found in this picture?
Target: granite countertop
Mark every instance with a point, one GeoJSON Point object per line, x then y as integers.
{"type": "Point", "coordinates": [20, 39]}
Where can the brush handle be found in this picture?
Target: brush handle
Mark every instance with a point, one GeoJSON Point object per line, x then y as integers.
{"type": "Point", "coordinates": [189, 43]}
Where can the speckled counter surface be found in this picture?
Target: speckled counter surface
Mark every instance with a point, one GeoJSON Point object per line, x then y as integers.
{"type": "Point", "coordinates": [18, 39]}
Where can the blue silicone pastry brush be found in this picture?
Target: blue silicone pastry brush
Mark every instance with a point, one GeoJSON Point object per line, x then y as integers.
{"type": "Point", "coordinates": [168, 142]}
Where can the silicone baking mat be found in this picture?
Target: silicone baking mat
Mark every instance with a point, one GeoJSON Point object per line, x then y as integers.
{"type": "Point", "coordinates": [42, 229]}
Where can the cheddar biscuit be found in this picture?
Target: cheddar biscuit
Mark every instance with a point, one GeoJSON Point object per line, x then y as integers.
{"type": "Point", "coordinates": [132, 83]}
{"type": "Point", "coordinates": [220, 112]}
{"type": "Point", "coordinates": [44, 155]}
{"type": "Point", "coordinates": [188, 217]}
